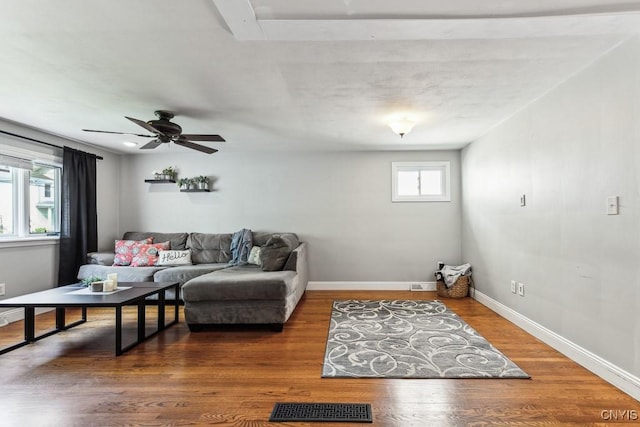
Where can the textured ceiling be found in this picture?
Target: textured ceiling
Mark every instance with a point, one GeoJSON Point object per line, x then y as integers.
{"type": "Point", "coordinates": [276, 74]}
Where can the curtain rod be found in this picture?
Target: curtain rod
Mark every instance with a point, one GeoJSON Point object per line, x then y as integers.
{"type": "Point", "coordinates": [49, 144]}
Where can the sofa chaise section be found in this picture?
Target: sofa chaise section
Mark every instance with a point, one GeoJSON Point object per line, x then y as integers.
{"type": "Point", "coordinates": [246, 294]}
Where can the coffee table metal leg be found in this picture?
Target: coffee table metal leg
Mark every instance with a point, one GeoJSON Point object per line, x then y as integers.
{"type": "Point", "coordinates": [118, 330]}
{"type": "Point", "coordinates": [60, 318]}
{"type": "Point", "coordinates": [161, 306]}
{"type": "Point", "coordinates": [29, 324]}
{"type": "Point", "coordinates": [61, 321]}
{"type": "Point", "coordinates": [141, 320]}
{"type": "Point", "coordinates": [176, 301]}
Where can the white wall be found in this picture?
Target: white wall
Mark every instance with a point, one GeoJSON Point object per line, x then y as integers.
{"type": "Point", "coordinates": [339, 202]}
{"type": "Point", "coordinates": [567, 152]}
{"type": "Point", "coordinates": [27, 269]}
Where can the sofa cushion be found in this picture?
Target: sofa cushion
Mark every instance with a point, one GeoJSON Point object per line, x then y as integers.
{"type": "Point", "coordinates": [147, 255]}
{"type": "Point", "coordinates": [275, 252]}
{"type": "Point", "coordinates": [209, 248]}
{"type": "Point", "coordinates": [124, 250]}
{"type": "Point", "coordinates": [254, 255]}
{"type": "Point", "coordinates": [248, 282]}
{"type": "Point", "coordinates": [177, 240]}
{"type": "Point", "coordinates": [184, 273]}
{"type": "Point", "coordinates": [260, 238]}
{"type": "Point", "coordinates": [174, 257]}
{"type": "Point", "coordinates": [125, 274]}
{"type": "Point", "coordinates": [101, 258]}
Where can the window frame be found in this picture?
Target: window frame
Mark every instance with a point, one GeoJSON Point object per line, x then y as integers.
{"type": "Point", "coordinates": [21, 188]}
{"type": "Point", "coordinates": [442, 166]}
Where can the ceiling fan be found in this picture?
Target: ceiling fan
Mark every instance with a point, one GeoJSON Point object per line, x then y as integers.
{"type": "Point", "coordinates": [165, 131]}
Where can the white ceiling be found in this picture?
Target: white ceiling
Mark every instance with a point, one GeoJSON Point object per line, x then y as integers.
{"type": "Point", "coordinates": [283, 74]}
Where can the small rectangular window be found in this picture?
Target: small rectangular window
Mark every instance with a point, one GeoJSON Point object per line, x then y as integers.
{"type": "Point", "coordinates": [421, 181]}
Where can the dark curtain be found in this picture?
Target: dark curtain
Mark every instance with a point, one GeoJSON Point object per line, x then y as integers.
{"type": "Point", "coordinates": [78, 216]}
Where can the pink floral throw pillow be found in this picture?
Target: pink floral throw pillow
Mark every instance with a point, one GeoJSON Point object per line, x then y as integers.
{"type": "Point", "coordinates": [124, 250]}
{"type": "Point", "coordinates": [146, 255]}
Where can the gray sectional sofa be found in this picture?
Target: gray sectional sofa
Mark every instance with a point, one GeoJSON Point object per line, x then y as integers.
{"type": "Point", "coordinates": [215, 292]}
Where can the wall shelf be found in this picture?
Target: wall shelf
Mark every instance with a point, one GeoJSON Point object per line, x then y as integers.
{"type": "Point", "coordinates": [195, 190]}
{"type": "Point", "coordinates": [160, 181]}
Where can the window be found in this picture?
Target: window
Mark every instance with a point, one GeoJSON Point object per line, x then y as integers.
{"type": "Point", "coordinates": [421, 181]}
{"type": "Point", "coordinates": [29, 198]}
{"type": "Point", "coordinates": [6, 201]}
{"type": "Point", "coordinates": [43, 200]}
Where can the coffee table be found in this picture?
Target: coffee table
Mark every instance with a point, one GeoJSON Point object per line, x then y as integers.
{"type": "Point", "coordinates": [74, 296]}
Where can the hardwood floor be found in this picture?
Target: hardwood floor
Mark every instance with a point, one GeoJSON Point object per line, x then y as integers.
{"type": "Point", "coordinates": [234, 377]}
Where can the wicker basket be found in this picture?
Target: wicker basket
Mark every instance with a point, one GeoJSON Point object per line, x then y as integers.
{"type": "Point", "coordinates": [460, 289]}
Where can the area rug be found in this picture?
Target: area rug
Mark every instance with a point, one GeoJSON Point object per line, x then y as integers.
{"type": "Point", "coordinates": [408, 339]}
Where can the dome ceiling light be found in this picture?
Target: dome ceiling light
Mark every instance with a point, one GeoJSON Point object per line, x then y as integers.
{"type": "Point", "coordinates": [402, 126]}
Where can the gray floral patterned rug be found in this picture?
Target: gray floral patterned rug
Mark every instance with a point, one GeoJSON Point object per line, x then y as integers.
{"type": "Point", "coordinates": [408, 339]}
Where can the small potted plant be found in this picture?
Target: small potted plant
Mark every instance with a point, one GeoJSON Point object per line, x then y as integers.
{"type": "Point", "coordinates": [203, 182]}
{"type": "Point", "coordinates": [169, 172]}
{"type": "Point", "coordinates": [193, 183]}
{"type": "Point", "coordinates": [94, 283]}
{"type": "Point", "coordinates": [183, 183]}
{"type": "Point", "coordinates": [157, 174]}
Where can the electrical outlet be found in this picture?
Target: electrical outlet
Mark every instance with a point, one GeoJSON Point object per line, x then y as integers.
{"type": "Point", "coordinates": [513, 286]}
{"type": "Point", "coordinates": [521, 289]}
{"type": "Point", "coordinates": [2, 288]}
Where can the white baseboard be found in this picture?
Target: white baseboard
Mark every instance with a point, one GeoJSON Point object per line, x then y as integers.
{"type": "Point", "coordinates": [609, 372]}
{"type": "Point", "coordinates": [371, 286]}
{"type": "Point", "coordinates": [17, 314]}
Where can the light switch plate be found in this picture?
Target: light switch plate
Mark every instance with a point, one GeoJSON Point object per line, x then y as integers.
{"type": "Point", "coordinates": [612, 205]}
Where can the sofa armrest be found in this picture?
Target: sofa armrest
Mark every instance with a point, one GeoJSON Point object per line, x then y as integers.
{"type": "Point", "coordinates": [298, 262]}
{"type": "Point", "coordinates": [100, 258]}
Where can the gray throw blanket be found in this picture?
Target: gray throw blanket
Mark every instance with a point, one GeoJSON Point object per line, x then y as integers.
{"type": "Point", "coordinates": [450, 273]}
{"type": "Point", "coordinates": [241, 243]}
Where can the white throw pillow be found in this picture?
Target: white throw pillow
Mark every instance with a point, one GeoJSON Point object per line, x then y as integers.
{"type": "Point", "coordinates": [254, 256]}
{"type": "Point", "coordinates": [174, 257]}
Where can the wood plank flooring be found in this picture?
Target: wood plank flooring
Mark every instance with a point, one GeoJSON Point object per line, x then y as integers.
{"type": "Point", "coordinates": [234, 376]}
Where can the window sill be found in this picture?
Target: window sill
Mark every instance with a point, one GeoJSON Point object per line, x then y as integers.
{"type": "Point", "coordinates": [15, 242]}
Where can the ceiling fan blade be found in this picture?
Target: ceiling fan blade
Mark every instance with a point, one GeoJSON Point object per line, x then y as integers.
{"type": "Point", "coordinates": [194, 146]}
{"type": "Point", "coordinates": [145, 125]}
{"type": "Point", "coordinates": [194, 137]}
{"type": "Point", "coordinates": [151, 144]}
{"type": "Point", "coordinates": [119, 133]}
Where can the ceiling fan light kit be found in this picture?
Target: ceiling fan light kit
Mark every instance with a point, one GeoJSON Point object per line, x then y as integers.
{"type": "Point", "coordinates": [165, 131]}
